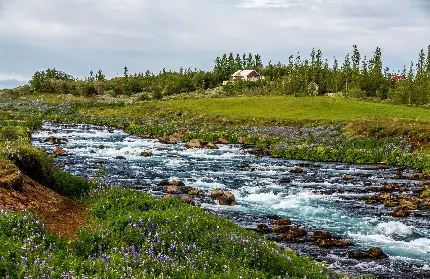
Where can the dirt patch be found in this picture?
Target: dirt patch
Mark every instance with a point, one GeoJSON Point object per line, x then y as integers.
{"type": "Point", "coordinates": [61, 215]}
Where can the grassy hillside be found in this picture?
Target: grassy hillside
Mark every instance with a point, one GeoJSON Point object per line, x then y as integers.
{"type": "Point", "coordinates": [272, 107]}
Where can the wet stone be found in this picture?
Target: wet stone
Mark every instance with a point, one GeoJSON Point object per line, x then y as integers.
{"type": "Point", "coordinates": [283, 222]}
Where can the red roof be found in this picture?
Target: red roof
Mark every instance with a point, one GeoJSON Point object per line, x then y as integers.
{"type": "Point", "coordinates": [398, 77]}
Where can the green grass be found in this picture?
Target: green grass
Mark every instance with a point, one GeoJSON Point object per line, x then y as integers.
{"type": "Point", "coordinates": [134, 235]}
{"type": "Point", "coordinates": [272, 107]}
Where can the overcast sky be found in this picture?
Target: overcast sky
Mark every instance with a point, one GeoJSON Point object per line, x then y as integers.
{"type": "Point", "coordinates": [77, 36]}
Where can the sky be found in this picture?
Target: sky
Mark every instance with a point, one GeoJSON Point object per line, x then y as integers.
{"type": "Point", "coordinates": [77, 36]}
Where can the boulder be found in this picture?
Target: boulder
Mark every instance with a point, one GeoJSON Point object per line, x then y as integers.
{"type": "Point", "coordinates": [163, 182]}
{"type": "Point", "coordinates": [410, 203]}
{"type": "Point", "coordinates": [168, 140]}
{"type": "Point", "coordinates": [283, 222]}
{"type": "Point", "coordinates": [101, 147]}
{"type": "Point", "coordinates": [400, 212]}
{"type": "Point", "coordinates": [187, 199]}
{"type": "Point", "coordinates": [289, 250]}
{"type": "Point", "coordinates": [348, 177]}
{"type": "Point", "coordinates": [193, 192]}
{"type": "Point", "coordinates": [222, 141]}
{"type": "Point", "coordinates": [58, 151]}
{"type": "Point", "coordinates": [224, 197]}
{"type": "Point", "coordinates": [211, 145]}
{"type": "Point", "coordinates": [425, 203]}
{"type": "Point", "coordinates": [241, 140]}
{"type": "Point", "coordinates": [390, 203]}
{"type": "Point", "coordinates": [321, 235]}
{"type": "Point", "coordinates": [227, 198]}
{"type": "Point", "coordinates": [168, 196]}
{"type": "Point", "coordinates": [177, 183]}
{"type": "Point", "coordinates": [145, 154]}
{"type": "Point", "coordinates": [281, 229]}
{"type": "Point", "coordinates": [173, 189]}
{"type": "Point", "coordinates": [297, 170]}
{"type": "Point", "coordinates": [298, 232]}
{"type": "Point", "coordinates": [358, 255]}
{"type": "Point", "coordinates": [215, 193]}
{"type": "Point", "coordinates": [263, 228]}
{"type": "Point", "coordinates": [376, 253]}
{"type": "Point", "coordinates": [194, 143]}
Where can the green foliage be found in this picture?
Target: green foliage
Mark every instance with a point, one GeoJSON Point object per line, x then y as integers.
{"type": "Point", "coordinates": [70, 185]}
{"type": "Point", "coordinates": [33, 162]}
{"type": "Point", "coordinates": [357, 77]}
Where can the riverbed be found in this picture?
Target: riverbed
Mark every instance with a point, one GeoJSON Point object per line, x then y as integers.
{"type": "Point", "coordinates": [265, 189]}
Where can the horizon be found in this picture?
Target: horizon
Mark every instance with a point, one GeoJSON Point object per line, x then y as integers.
{"type": "Point", "coordinates": [78, 37]}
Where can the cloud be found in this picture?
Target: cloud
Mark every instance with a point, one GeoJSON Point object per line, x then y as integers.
{"type": "Point", "coordinates": [78, 36]}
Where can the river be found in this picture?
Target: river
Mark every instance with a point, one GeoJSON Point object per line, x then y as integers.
{"type": "Point", "coordinates": [318, 198]}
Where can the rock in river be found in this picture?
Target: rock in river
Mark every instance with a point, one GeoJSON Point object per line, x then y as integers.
{"type": "Point", "coordinates": [145, 154]}
{"type": "Point", "coordinates": [194, 143]}
{"type": "Point", "coordinates": [58, 151]}
{"type": "Point", "coordinates": [322, 235]}
{"type": "Point", "coordinates": [400, 212]}
{"type": "Point", "coordinates": [211, 145]}
{"type": "Point", "coordinates": [283, 222]}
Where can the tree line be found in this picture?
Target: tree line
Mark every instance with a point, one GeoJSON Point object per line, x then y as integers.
{"type": "Point", "coordinates": [356, 76]}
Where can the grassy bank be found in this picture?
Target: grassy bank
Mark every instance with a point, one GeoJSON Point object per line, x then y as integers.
{"type": "Point", "coordinates": [271, 108]}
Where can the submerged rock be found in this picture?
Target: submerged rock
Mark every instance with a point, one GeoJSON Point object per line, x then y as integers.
{"type": "Point", "coordinates": [348, 177]}
{"type": "Point", "coordinates": [145, 154]}
{"type": "Point", "coordinates": [58, 151]}
{"type": "Point", "coordinates": [120, 158]}
{"type": "Point", "coordinates": [163, 182]}
{"type": "Point", "coordinates": [327, 243]}
{"type": "Point", "coordinates": [285, 180]}
{"type": "Point", "coordinates": [297, 170]}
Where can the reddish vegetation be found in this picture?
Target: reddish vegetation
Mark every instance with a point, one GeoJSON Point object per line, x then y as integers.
{"type": "Point", "coordinates": [61, 215]}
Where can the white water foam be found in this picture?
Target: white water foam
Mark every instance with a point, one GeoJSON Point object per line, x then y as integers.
{"type": "Point", "coordinates": [394, 229]}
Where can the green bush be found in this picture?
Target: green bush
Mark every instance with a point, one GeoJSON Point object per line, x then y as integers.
{"type": "Point", "coordinates": [70, 185]}
{"type": "Point", "coordinates": [34, 163]}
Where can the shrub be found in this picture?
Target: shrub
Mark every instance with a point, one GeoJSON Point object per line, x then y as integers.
{"type": "Point", "coordinates": [70, 185]}
{"type": "Point", "coordinates": [34, 163]}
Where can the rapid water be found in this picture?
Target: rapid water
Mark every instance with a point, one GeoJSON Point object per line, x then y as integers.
{"type": "Point", "coordinates": [318, 199]}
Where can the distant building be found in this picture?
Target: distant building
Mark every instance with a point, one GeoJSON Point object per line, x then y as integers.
{"type": "Point", "coordinates": [248, 75]}
{"type": "Point", "coordinates": [244, 75]}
